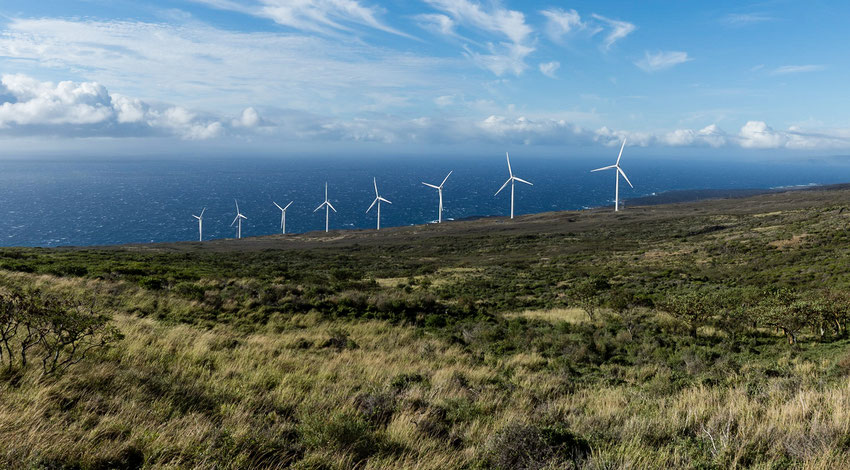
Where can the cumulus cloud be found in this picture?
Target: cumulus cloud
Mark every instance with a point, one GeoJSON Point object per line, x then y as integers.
{"type": "Point", "coordinates": [655, 61]}
{"type": "Point", "coordinates": [549, 68]}
{"type": "Point", "coordinates": [206, 66]}
{"type": "Point", "coordinates": [757, 134]}
{"type": "Point", "coordinates": [616, 29]}
{"type": "Point", "coordinates": [74, 109]}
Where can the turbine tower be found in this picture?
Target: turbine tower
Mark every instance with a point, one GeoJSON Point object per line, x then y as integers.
{"type": "Point", "coordinates": [328, 207]}
{"type": "Point", "coordinates": [283, 216]}
{"type": "Point", "coordinates": [200, 224]}
{"type": "Point", "coordinates": [440, 191]}
{"type": "Point", "coordinates": [512, 179]}
{"type": "Point", "coordinates": [378, 200]}
{"type": "Point", "coordinates": [617, 177]}
{"type": "Point", "coordinates": [238, 220]}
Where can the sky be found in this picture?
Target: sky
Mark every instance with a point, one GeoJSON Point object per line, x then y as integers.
{"type": "Point", "coordinates": [418, 77]}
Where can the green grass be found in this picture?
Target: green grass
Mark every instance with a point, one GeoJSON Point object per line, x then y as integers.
{"type": "Point", "coordinates": [456, 347]}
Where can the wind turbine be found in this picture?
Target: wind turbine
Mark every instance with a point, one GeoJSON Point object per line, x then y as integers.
{"type": "Point", "coordinates": [378, 200]}
{"type": "Point", "coordinates": [200, 224]}
{"type": "Point", "coordinates": [512, 179]}
{"type": "Point", "coordinates": [238, 219]}
{"type": "Point", "coordinates": [283, 216]}
{"type": "Point", "coordinates": [617, 177]}
{"type": "Point", "coordinates": [328, 207]}
{"type": "Point", "coordinates": [440, 190]}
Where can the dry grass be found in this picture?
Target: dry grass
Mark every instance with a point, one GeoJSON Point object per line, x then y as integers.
{"type": "Point", "coordinates": [554, 315]}
{"type": "Point", "coordinates": [180, 396]}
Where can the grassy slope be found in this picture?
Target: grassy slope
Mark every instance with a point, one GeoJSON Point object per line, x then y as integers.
{"type": "Point", "coordinates": [446, 347]}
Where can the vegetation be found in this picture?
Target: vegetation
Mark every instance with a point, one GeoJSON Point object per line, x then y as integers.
{"type": "Point", "coordinates": [704, 335]}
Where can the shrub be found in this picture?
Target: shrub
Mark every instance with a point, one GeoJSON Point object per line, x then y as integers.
{"type": "Point", "coordinates": [519, 446]}
{"type": "Point", "coordinates": [61, 332]}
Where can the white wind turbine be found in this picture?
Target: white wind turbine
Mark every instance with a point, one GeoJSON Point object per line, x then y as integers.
{"type": "Point", "coordinates": [238, 220]}
{"type": "Point", "coordinates": [378, 200]}
{"type": "Point", "coordinates": [200, 224]}
{"type": "Point", "coordinates": [283, 216]}
{"type": "Point", "coordinates": [617, 176]}
{"type": "Point", "coordinates": [440, 190]}
{"type": "Point", "coordinates": [512, 179]}
{"type": "Point", "coordinates": [328, 207]}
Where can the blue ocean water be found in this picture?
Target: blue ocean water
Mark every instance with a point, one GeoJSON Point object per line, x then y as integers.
{"type": "Point", "coordinates": [102, 201]}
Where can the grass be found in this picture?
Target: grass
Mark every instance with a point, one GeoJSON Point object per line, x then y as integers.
{"type": "Point", "coordinates": [452, 347]}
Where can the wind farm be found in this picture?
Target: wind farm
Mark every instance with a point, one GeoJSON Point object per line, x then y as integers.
{"type": "Point", "coordinates": [703, 323]}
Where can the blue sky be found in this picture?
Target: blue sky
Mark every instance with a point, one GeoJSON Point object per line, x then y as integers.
{"type": "Point", "coordinates": [416, 76]}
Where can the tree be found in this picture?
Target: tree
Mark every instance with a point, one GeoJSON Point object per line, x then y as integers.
{"type": "Point", "coordinates": [586, 294]}
{"type": "Point", "coordinates": [694, 307]}
{"type": "Point", "coordinates": [62, 332]}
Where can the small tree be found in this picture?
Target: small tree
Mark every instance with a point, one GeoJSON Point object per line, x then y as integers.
{"type": "Point", "coordinates": [694, 307]}
{"type": "Point", "coordinates": [60, 331]}
{"type": "Point", "coordinates": [586, 294]}
{"type": "Point", "coordinates": [783, 310]}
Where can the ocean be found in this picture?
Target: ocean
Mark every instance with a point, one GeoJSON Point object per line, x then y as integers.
{"type": "Point", "coordinates": [80, 202]}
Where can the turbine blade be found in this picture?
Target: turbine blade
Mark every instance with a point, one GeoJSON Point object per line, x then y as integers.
{"type": "Point", "coordinates": [510, 172]}
{"type": "Point", "coordinates": [287, 206]}
{"type": "Point", "coordinates": [331, 206]}
{"type": "Point", "coordinates": [430, 185]}
{"type": "Point", "coordinates": [375, 181]}
{"type": "Point", "coordinates": [240, 215]}
{"type": "Point", "coordinates": [621, 151]}
{"type": "Point", "coordinates": [503, 186]}
{"type": "Point", "coordinates": [444, 179]}
{"type": "Point", "coordinates": [202, 212]}
{"type": "Point", "coordinates": [281, 208]}
{"type": "Point", "coordinates": [604, 168]}
{"type": "Point", "coordinates": [523, 181]}
{"type": "Point", "coordinates": [326, 190]}
{"type": "Point", "coordinates": [234, 221]}
{"type": "Point", "coordinates": [237, 205]}
{"type": "Point", "coordinates": [195, 216]}
{"type": "Point", "coordinates": [320, 206]}
{"type": "Point", "coordinates": [382, 199]}
{"type": "Point", "coordinates": [624, 176]}
{"type": "Point", "coordinates": [373, 205]}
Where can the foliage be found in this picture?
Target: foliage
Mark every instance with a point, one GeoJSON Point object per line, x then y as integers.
{"type": "Point", "coordinates": [60, 331]}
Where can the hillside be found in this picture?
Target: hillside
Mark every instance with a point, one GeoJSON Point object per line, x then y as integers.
{"type": "Point", "coordinates": [707, 334]}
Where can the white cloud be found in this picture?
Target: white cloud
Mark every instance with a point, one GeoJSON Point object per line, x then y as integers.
{"type": "Point", "coordinates": [710, 135]}
{"type": "Point", "coordinates": [249, 118]}
{"type": "Point", "coordinates": [200, 66]}
{"type": "Point", "coordinates": [503, 56]}
{"type": "Point", "coordinates": [71, 109]}
{"type": "Point", "coordinates": [320, 16]}
{"type": "Point", "coordinates": [743, 19]}
{"type": "Point", "coordinates": [618, 29]}
{"type": "Point", "coordinates": [561, 22]}
{"type": "Point", "coordinates": [789, 69]}
{"type": "Point", "coordinates": [441, 24]}
{"type": "Point", "coordinates": [661, 60]}
{"type": "Point", "coordinates": [445, 100]}
{"type": "Point", "coordinates": [757, 134]}
{"type": "Point", "coordinates": [549, 68]}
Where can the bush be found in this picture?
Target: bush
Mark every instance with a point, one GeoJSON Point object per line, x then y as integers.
{"type": "Point", "coordinates": [61, 332]}
{"type": "Point", "coordinates": [519, 446]}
